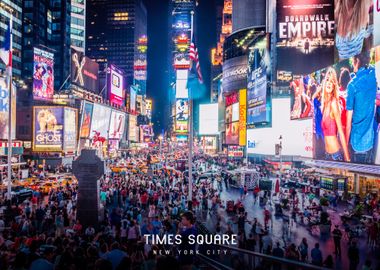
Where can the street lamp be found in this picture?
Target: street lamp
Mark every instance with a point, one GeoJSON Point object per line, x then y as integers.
{"type": "Point", "coordinates": [280, 151]}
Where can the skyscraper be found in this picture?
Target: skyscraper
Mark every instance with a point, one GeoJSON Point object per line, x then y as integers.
{"type": "Point", "coordinates": [113, 29]}
{"type": "Point", "coordinates": [14, 6]}
{"type": "Point", "coordinates": [78, 25]}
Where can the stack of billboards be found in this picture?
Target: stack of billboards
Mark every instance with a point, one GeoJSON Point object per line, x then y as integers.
{"type": "Point", "coordinates": [182, 116]}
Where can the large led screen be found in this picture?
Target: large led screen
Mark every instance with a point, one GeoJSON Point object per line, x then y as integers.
{"type": "Point", "coordinates": [235, 112]}
{"type": "Point", "coordinates": [133, 129]}
{"type": "Point", "coordinates": [43, 74]}
{"type": "Point", "coordinates": [84, 71]}
{"type": "Point", "coordinates": [85, 127]}
{"type": "Point", "coordinates": [208, 119]}
{"type": "Point", "coordinates": [182, 110]}
{"type": "Point", "coordinates": [232, 133]}
{"type": "Point", "coordinates": [116, 86]}
{"type": "Point", "coordinates": [117, 125]}
{"type": "Point", "coordinates": [302, 89]}
{"type": "Point", "coordinates": [305, 35]}
{"type": "Point", "coordinates": [4, 110]}
{"type": "Point", "coordinates": [70, 130]}
{"type": "Point", "coordinates": [100, 120]}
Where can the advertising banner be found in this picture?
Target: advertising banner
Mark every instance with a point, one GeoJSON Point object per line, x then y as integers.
{"type": "Point", "coordinates": [302, 89]}
{"type": "Point", "coordinates": [182, 110]}
{"type": "Point", "coordinates": [84, 72]}
{"type": "Point", "coordinates": [235, 112]}
{"type": "Point", "coordinates": [208, 119]}
{"type": "Point", "coordinates": [147, 133]}
{"type": "Point", "coordinates": [132, 100]}
{"type": "Point", "coordinates": [346, 110]}
{"type": "Point", "coordinates": [232, 133]}
{"type": "Point", "coordinates": [116, 86]}
{"type": "Point", "coordinates": [4, 110]}
{"type": "Point", "coordinates": [376, 22]}
{"type": "Point", "coordinates": [242, 117]}
{"type": "Point", "coordinates": [354, 28]}
{"type": "Point", "coordinates": [235, 73]}
{"type": "Point", "coordinates": [117, 125]}
{"type": "Point", "coordinates": [100, 120]}
{"type": "Point", "coordinates": [228, 114]}
{"type": "Point", "coordinates": [297, 136]}
{"type": "Point", "coordinates": [133, 129]}
{"type": "Point", "coordinates": [47, 128]}
{"type": "Point", "coordinates": [181, 126]}
{"type": "Point", "coordinates": [85, 127]}
{"type": "Point", "coordinates": [70, 130]}
{"type": "Point", "coordinates": [305, 35]}
{"type": "Point", "coordinates": [231, 99]}
{"type": "Point", "coordinates": [43, 74]}
{"type": "Point", "coordinates": [234, 151]}
{"type": "Point", "coordinates": [258, 91]}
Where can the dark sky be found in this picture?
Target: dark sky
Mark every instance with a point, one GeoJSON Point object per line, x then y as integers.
{"type": "Point", "coordinates": [158, 42]}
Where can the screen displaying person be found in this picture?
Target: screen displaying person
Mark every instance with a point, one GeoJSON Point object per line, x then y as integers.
{"type": "Point", "coordinates": [361, 98]}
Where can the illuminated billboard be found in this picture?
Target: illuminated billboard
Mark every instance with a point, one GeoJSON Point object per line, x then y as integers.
{"type": "Point", "coordinates": [117, 125]}
{"type": "Point", "coordinates": [43, 74]}
{"type": "Point", "coordinates": [234, 151]}
{"type": "Point", "coordinates": [133, 129]}
{"type": "Point", "coordinates": [232, 133]}
{"type": "Point", "coordinates": [182, 110]}
{"type": "Point", "coordinates": [235, 112]}
{"type": "Point", "coordinates": [4, 110]}
{"type": "Point", "coordinates": [181, 126]}
{"type": "Point", "coordinates": [70, 130]}
{"type": "Point", "coordinates": [181, 61]}
{"type": "Point", "coordinates": [48, 124]}
{"type": "Point", "coordinates": [258, 91]}
{"type": "Point", "coordinates": [208, 119]}
{"type": "Point", "coordinates": [146, 133]}
{"type": "Point", "coordinates": [242, 117]}
{"type": "Point", "coordinates": [235, 73]}
{"type": "Point", "coordinates": [305, 35]}
{"type": "Point", "coordinates": [132, 100]}
{"type": "Point", "coordinates": [85, 127]}
{"type": "Point", "coordinates": [116, 86]}
{"type": "Point", "coordinates": [84, 71]}
{"type": "Point", "coordinates": [353, 36]}
{"type": "Point", "coordinates": [376, 22]}
{"type": "Point", "coordinates": [100, 120]}
{"type": "Point", "coordinates": [302, 88]}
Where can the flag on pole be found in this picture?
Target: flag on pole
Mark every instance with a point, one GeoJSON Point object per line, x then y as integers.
{"type": "Point", "coordinates": [6, 49]}
{"type": "Point", "coordinates": [194, 57]}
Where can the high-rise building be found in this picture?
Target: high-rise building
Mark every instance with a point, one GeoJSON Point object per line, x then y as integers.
{"type": "Point", "coordinates": [242, 14]}
{"type": "Point", "coordinates": [47, 24]}
{"type": "Point", "coordinates": [78, 25]}
{"type": "Point", "coordinates": [14, 6]}
{"type": "Point", "coordinates": [113, 28]}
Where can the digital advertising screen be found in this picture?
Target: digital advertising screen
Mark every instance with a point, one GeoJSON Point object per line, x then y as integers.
{"type": "Point", "coordinates": [305, 35]}
{"type": "Point", "coordinates": [116, 86]}
{"type": "Point", "coordinates": [70, 130]}
{"type": "Point", "coordinates": [181, 126]}
{"type": "Point", "coordinates": [258, 92]}
{"type": "Point", "coordinates": [297, 136]}
{"type": "Point", "coordinates": [48, 122]}
{"type": "Point", "coordinates": [4, 110]}
{"type": "Point", "coordinates": [354, 28]}
{"type": "Point", "coordinates": [235, 112]}
{"type": "Point", "coordinates": [100, 120]}
{"type": "Point", "coordinates": [43, 74]}
{"type": "Point", "coordinates": [182, 109]}
{"type": "Point", "coordinates": [147, 133]}
{"type": "Point", "coordinates": [84, 72]}
{"type": "Point", "coordinates": [208, 119]}
{"type": "Point", "coordinates": [234, 151]}
{"type": "Point", "coordinates": [133, 129]}
{"type": "Point", "coordinates": [85, 127]}
{"type": "Point", "coordinates": [302, 89]}
{"type": "Point", "coordinates": [242, 116]}
{"type": "Point", "coordinates": [117, 125]}
{"type": "Point", "coordinates": [232, 133]}
{"type": "Point", "coordinates": [229, 114]}
{"type": "Point", "coordinates": [132, 100]}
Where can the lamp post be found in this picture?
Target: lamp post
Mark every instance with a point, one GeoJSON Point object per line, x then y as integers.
{"type": "Point", "coordinates": [280, 151]}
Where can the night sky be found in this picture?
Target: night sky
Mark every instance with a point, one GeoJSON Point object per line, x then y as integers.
{"type": "Point", "coordinates": [158, 42]}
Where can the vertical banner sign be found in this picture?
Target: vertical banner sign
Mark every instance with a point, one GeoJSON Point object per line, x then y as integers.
{"type": "Point", "coordinates": [85, 128]}
{"type": "Point", "coordinates": [70, 130]}
{"type": "Point", "coordinates": [47, 128]}
{"type": "Point", "coordinates": [305, 35]}
{"type": "Point", "coordinates": [4, 110]}
{"type": "Point", "coordinates": [43, 75]}
{"type": "Point", "coordinates": [116, 87]}
{"type": "Point", "coordinates": [242, 117]}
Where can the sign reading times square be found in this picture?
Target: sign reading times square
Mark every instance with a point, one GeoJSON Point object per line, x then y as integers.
{"type": "Point", "coordinates": [305, 36]}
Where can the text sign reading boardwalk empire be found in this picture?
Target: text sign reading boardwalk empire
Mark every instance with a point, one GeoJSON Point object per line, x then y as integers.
{"type": "Point", "coordinates": [305, 35]}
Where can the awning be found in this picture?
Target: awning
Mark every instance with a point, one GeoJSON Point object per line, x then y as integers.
{"type": "Point", "coordinates": [358, 168]}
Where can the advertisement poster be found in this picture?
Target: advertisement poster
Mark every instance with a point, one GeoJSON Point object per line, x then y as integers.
{"type": "Point", "coordinates": [147, 133]}
{"type": "Point", "coordinates": [133, 129]}
{"type": "Point", "coordinates": [132, 103]}
{"type": "Point", "coordinates": [100, 120]}
{"type": "Point", "coordinates": [116, 86]}
{"type": "Point", "coordinates": [43, 74]}
{"type": "Point", "coordinates": [305, 35]}
{"type": "Point", "coordinates": [47, 129]}
{"type": "Point", "coordinates": [354, 27]}
{"type": "Point", "coordinates": [208, 119]}
{"type": "Point", "coordinates": [229, 114]}
{"type": "Point", "coordinates": [84, 72]}
{"type": "Point", "coordinates": [234, 151]}
{"type": "Point", "coordinates": [242, 117]}
{"type": "Point", "coordinates": [302, 89]}
{"type": "Point", "coordinates": [70, 130]}
{"type": "Point", "coordinates": [232, 133]}
{"type": "Point", "coordinates": [4, 110]}
{"type": "Point", "coordinates": [182, 110]}
{"type": "Point", "coordinates": [117, 125]}
{"type": "Point", "coordinates": [376, 22]}
{"type": "Point", "coordinates": [235, 112]}
{"type": "Point", "coordinates": [85, 127]}
{"type": "Point", "coordinates": [347, 99]}
{"type": "Point", "coordinates": [235, 73]}
{"type": "Point", "coordinates": [181, 126]}
{"type": "Point", "coordinates": [258, 103]}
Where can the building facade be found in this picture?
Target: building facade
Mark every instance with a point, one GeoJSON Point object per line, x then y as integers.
{"type": "Point", "coordinates": [78, 25]}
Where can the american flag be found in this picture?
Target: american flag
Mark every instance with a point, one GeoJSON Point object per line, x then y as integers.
{"type": "Point", "coordinates": [194, 57]}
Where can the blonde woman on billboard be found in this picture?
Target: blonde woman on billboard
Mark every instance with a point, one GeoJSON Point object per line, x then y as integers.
{"type": "Point", "coordinates": [353, 26]}
{"type": "Point", "coordinates": [331, 121]}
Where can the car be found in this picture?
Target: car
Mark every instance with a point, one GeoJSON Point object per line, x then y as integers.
{"type": "Point", "coordinates": [21, 193]}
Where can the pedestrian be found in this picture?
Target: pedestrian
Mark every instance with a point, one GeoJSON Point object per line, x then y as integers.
{"type": "Point", "coordinates": [337, 235]}
{"type": "Point", "coordinates": [303, 249]}
{"type": "Point", "coordinates": [353, 256]}
{"type": "Point", "coordinates": [316, 255]}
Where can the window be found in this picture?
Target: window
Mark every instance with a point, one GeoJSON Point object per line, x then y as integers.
{"type": "Point", "coordinates": [28, 4]}
{"type": "Point", "coordinates": [77, 21]}
{"type": "Point", "coordinates": [77, 10]}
